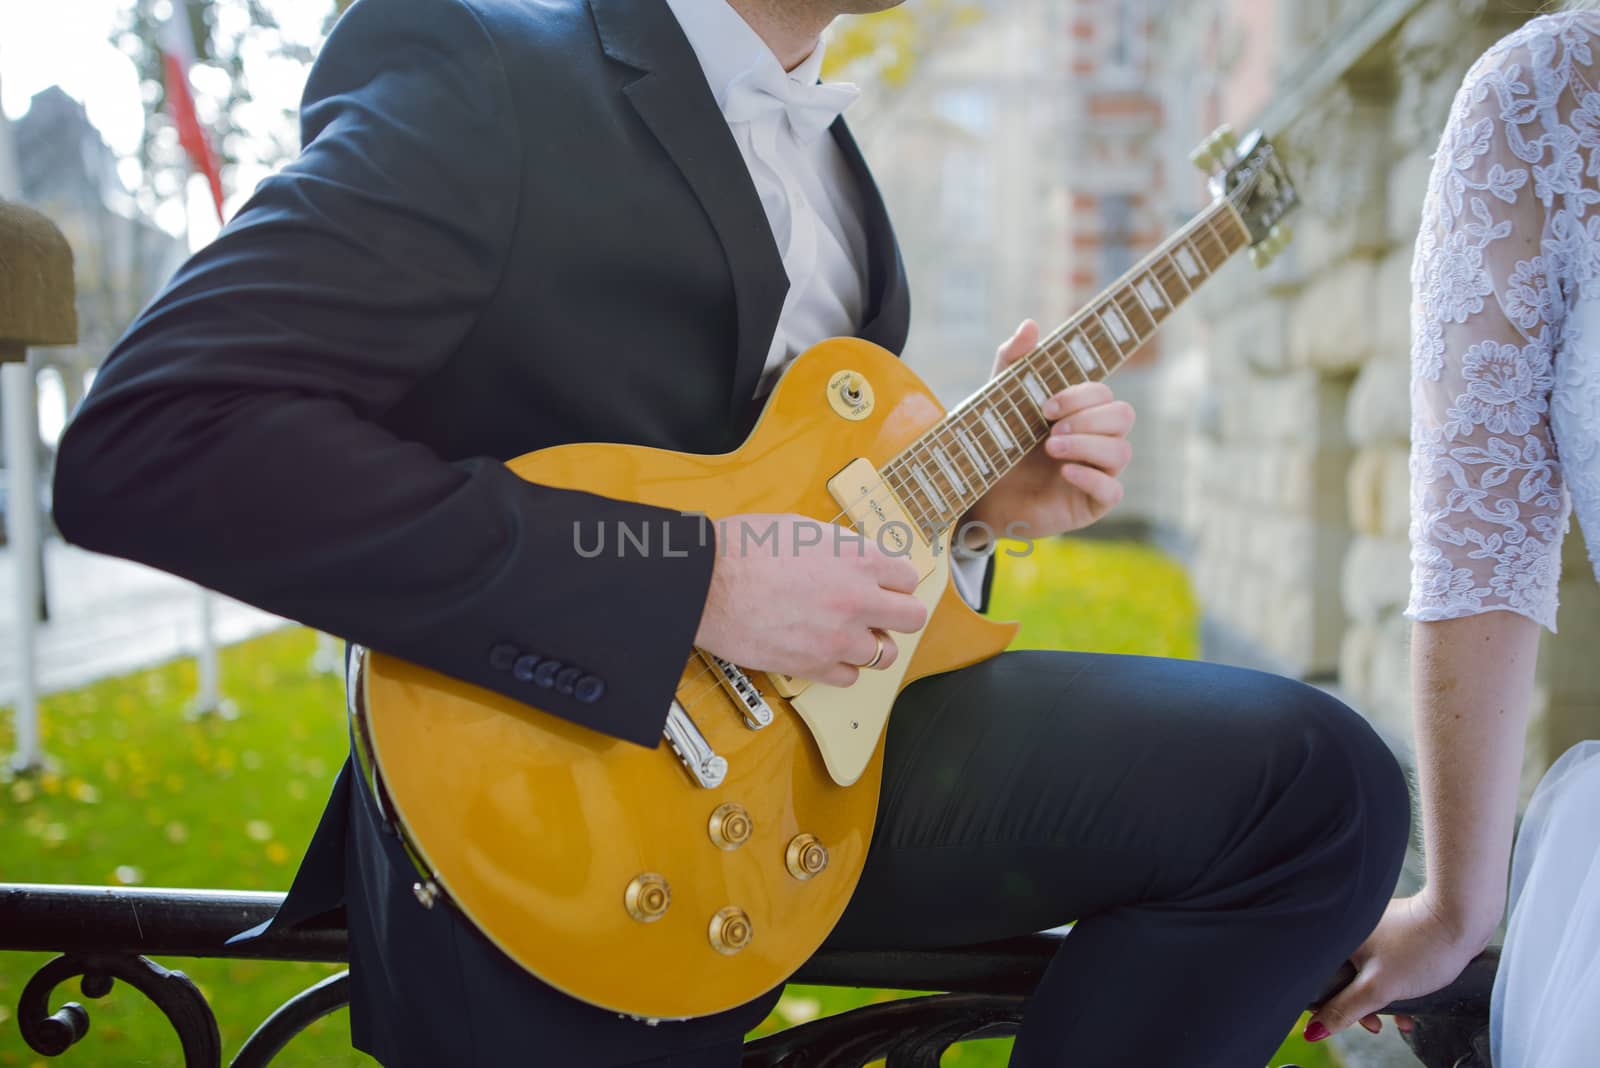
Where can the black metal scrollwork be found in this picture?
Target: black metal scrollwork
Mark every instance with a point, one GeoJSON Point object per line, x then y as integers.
{"type": "Point", "coordinates": [174, 993]}
{"type": "Point", "coordinates": [910, 1033]}
{"type": "Point", "coordinates": [294, 1016]}
{"type": "Point", "coordinates": [109, 933]}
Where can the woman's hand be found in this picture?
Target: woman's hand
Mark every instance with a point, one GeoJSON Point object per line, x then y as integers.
{"type": "Point", "coordinates": [1071, 479]}
{"type": "Point", "coordinates": [1413, 952]}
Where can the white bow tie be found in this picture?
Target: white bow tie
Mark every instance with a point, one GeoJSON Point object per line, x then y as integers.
{"type": "Point", "coordinates": [811, 107]}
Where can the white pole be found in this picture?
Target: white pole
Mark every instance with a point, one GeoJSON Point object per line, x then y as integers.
{"type": "Point", "coordinates": [209, 701]}
{"type": "Point", "coordinates": [21, 416]}
{"type": "Point", "coordinates": [326, 659]}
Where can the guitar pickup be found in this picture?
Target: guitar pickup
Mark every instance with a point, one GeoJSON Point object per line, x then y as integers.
{"type": "Point", "coordinates": [879, 516]}
{"type": "Point", "coordinates": [757, 713]}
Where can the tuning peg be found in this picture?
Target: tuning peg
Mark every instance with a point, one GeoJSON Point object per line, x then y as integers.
{"type": "Point", "coordinates": [1226, 137]}
{"type": "Point", "coordinates": [1284, 234]}
{"type": "Point", "coordinates": [1205, 157]}
{"type": "Point", "coordinates": [1260, 257]}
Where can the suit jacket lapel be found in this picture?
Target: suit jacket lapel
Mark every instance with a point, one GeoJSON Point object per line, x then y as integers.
{"type": "Point", "coordinates": [672, 98]}
{"type": "Point", "coordinates": [888, 316]}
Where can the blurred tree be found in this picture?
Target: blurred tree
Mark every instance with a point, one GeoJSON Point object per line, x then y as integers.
{"type": "Point", "coordinates": [234, 39]}
{"type": "Point", "coordinates": [237, 40]}
{"type": "Point", "coordinates": [883, 49]}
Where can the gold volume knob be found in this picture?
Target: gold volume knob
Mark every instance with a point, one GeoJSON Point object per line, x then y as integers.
{"type": "Point", "coordinates": [647, 897]}
{"type": "Point", "coordinates": [806, 856]}
{"type": "Point", "coordinates": [730, 826]}
{"type": "Point", "coordinates": [730, 930]}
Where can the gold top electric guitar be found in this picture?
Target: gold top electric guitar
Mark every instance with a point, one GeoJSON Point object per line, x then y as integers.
{"type": "Point", "coordinates": [685, 880]}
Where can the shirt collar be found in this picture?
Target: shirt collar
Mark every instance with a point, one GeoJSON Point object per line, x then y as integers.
{"type": "Point", "coordinates": [728, 48]}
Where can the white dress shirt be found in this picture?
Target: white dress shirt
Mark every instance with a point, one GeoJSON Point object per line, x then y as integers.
{"type": "Point", "coordinates": [780, 120]}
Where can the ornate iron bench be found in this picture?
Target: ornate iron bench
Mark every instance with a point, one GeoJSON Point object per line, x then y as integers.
{"type": "Point", "coordinates": [103, 934]}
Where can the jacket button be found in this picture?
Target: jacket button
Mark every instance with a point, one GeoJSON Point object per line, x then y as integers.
{"type": "Point", "coordinates": [501, 657]}
{"type": "Point", "coordinates": [545, 674]}
{"type": "Point", "coordinates": [589, 689]}
{"type": "Point", "coordinates": [567, 678]}
{"type": "Point", "coordinates": [522, 670]}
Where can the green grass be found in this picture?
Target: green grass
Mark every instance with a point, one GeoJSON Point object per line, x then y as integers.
{"type": "Point", "coordinates": [145, 797]}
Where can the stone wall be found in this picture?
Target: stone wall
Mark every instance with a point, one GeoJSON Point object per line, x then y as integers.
{"type": "Point", "coordinates": [1280, 424]}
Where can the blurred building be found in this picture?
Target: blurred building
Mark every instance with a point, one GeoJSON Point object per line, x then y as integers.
{"type": "Point", "coordinates": [68, 172]}
{"type": "Point", "coordinates": [1022, 164]}
{"type": "Point", "coordinates": [1281, 416]}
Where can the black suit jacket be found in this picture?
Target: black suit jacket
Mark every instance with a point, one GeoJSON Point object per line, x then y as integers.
{"type": "Point", "coordinates": [514, 224]}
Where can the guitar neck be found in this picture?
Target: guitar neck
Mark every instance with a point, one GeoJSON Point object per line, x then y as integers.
{"type": "Point", "coordinates": [958, 460]}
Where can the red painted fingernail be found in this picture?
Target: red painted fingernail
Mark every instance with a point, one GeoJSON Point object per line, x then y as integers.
{"type": "Point", "coordinates": [1316, 1032]}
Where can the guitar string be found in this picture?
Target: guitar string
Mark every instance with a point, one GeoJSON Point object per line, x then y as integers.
{"type": "Point", "coordinates": [1004, 383]}
{"type": "Point", "coordinates": [1006, 380]}
{"type": "Point", "coordinates": [1088, 324]}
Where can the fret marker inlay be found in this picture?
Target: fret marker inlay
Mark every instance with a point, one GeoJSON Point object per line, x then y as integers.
{"type": "Point", "coordinates": [973, 453]}
{"type": "Point", "coordinates": [1036, 391]}
{"type": "Point", "coordinates": [948, 469]}
{"type": "Point", "coordinates": [926, 486]}
{"type": "Point", "coordinates": [1152, 296]}
{"type": "Point", "coordinates": [1083, 354]}
{"type": "Point", "coordinates": [1117, 325]}
{"type": "Point", "coordinates": [1187, 261]}
{"type": "Point", "coordinates": [997, 430]}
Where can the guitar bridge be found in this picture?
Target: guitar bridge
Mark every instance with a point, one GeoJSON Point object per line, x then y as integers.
{"type": "Point", "coordinates": [737, 685]}
{"type": "Point", "coordinates": [703, 764]}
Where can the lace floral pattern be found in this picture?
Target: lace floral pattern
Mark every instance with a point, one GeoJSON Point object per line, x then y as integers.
{"type": "Point", "coordinates": [1505, 382]}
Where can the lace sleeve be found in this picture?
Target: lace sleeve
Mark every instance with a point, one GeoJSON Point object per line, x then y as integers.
{"type": "Point", "coordinates": [1488, 508]}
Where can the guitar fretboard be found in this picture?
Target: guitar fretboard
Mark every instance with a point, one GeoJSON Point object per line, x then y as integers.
{"type": "Point", "coordinates": [957, 461]}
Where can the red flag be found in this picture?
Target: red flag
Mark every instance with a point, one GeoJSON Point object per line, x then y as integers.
{"type": "Point", "coordinates": [177, 56]}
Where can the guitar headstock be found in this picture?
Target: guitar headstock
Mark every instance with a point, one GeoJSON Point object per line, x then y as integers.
{"type": "Point", "coordinates": [1254, 180]}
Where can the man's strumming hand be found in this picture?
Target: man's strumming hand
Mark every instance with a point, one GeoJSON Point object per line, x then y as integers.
{"type": "Point", "coordinates": [1071, 479]}
{"type": "Point", "coordinates": [804, 598]}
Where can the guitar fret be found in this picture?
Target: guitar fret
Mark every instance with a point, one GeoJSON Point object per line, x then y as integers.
{"type": "Point", "coordinates": [927, 487]}
{"type": "Point", "coordinates": [1106, 333]}
{"type": "Point", "coordinates": [1035, 390]}
{"type": "Point", "coordinates": [1170, 265]}
{"type": "Point", "coordinates": [1154, 297]}
{"type": "Point", "coordinates": [1051, 373]}
{"type": "Point", "coordinates": [1187, 263]}
{"type": "Point", "coordinates": [1085, 355]}
{"type": "Point", "coordinates": [1133, 308]}
{"type": "Point", "coordinates": [1001, 436]}
{"type": "Point", "coordinates": [1068, 371]}
{"type": "Point", "coordinates": [1026, 425]}
{"type": "Point", "coordinates": [979, 462]}
{"type": "Point", "coordinates": [956, 462]}
{"type": "Point", "coordinates": [942, 460]}
{"type": "Point", "coordinates": [1114, 322]}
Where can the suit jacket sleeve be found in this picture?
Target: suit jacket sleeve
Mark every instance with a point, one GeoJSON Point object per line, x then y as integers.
{"type": "Point", "coordinates": [233, 435]}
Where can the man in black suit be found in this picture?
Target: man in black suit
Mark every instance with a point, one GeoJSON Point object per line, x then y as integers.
{"type": "Point", "coordinates": [520, 223]}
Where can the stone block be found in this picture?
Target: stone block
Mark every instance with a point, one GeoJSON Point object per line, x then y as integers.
{"type": "Point", "coordinates": [1389, 684]}
{"type": "Point", "coordinates": [1408, 186]}
{"type": "Point", "coordinates": [1333, 328]}
{"type": "Point", "coordinates": [1380, 402]}
{"type": "Point", "coordinates": [1258, 335]}
{"type": "Point", "coordinates": [1376, 578]}
{"type": "Point", "coordinates": [1298, 406]}
{"type": "Point", "coordinates": [1379, 487]}
{"type": "Point", "coordinates": [1392, 305]}
{"type": "Point", "coordinates": [1358, 650]}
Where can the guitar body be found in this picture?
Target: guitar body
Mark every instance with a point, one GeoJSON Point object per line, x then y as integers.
{"type": "Point", "coordinates": [538, 830]}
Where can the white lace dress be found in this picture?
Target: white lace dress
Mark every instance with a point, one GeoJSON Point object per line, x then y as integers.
{"type": "Point", "coordinates": [1505, 444]}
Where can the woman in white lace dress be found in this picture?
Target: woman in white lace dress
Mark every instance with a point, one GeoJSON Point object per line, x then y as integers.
{"type": "Point", "coordinates": [1505, 445]}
